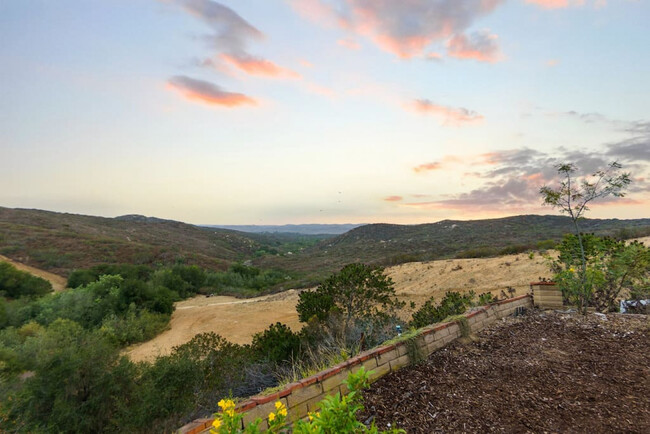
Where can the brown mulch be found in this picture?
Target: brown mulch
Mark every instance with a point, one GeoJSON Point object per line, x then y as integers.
{"type": "Point", "coordinates": [542, 372]}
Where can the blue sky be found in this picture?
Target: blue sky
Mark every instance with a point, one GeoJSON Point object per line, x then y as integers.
{"type": "Point", "coordinates": [295, 111]}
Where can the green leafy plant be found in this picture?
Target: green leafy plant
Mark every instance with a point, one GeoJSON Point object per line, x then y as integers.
{"type": "Point", "coordinates": [613, 268]}
{"type": "Point", "coordinates": [453, 303]}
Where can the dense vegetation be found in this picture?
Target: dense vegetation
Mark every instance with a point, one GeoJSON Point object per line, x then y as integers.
{"type": "Point", "coordinates": [62, 370]}
{"type": "Point", "coordinates": [15, 283]}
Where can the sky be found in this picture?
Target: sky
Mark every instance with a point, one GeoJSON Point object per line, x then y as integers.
{"type": "Point", "coordinates": [319, 111]}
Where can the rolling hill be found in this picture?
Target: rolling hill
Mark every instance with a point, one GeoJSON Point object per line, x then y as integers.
{"type": "Point", "coordinates": [389, 244]}
{"type": "Point", "coordinates": [61, 242]}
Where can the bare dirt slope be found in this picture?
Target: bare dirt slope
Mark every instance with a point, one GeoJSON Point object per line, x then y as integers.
{"type": "Point", "coordinates": [58, 283]}
{"type": "Point", "coordinates": [238, 320]}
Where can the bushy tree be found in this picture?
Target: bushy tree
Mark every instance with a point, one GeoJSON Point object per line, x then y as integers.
{"type": "Point", "coordinates": [79, 383]}
{"type": "Point", "coordinates": [358, 291]}
{"type": "Point", "coordinates": [574, 194]}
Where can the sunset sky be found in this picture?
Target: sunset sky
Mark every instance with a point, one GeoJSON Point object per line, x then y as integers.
{"type": "Point", "coordinates": [319, 111]}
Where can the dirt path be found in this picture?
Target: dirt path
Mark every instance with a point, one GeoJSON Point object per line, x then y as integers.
{"type": "Point", "coordinates": [58, 283]}
{"type": "Point", "coordinates": [238, 320]}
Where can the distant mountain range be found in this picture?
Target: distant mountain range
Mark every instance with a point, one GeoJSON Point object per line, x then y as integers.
{"type": "Point", "coordinates": [304, 229]}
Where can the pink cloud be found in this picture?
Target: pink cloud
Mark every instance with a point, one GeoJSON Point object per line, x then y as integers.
{"type": "Point", "coordinates": [350, 44]}
{"type": "Point", "coordinates": [481, 46]}
{"type": "Point", "coordinates": [257, 66]}
{"type": "Point", "coordinates": [393, 198]}
{"type": "Point", "coordinates": [563, 4]}
{"type": "Point", "coordinates": [426, 167]}
{"type": "Point", "coordinates": [404, 28]}
{"type": "Point", "coordinates": [456, 115]}
{"type": "Point", "coordinates": [550, 4]}
{"type": "Point", "coordinates": [207, 93]}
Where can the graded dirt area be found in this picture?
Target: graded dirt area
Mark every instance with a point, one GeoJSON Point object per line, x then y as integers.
{"type": "Point", "coordinates": [542, 372]}
{"type": "Point", "coordinates": [235, 319]}
{"type": "Point", "coordinates": [58, 283]}
{"type": "Point", "coordinates": [238, 320]}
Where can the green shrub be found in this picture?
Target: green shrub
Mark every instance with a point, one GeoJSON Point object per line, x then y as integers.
{"type": "Point", "coordinates": [136, 326]}
{"type": "Point", "coordinates": [453, 303]}
{"type": "Point", "coordinates": [479, 252]}
{"type": "Point", "coordinates": [15, 283]}
{"type": "Point", "coordinates": [277, 343]}
{"type": "Point", "coordinates": [611, 268]}
{"type": "Point", "coordinates": [515, 249]}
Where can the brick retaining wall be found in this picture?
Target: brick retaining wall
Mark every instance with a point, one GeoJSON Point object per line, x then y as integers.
{"type": "Point", "coordinates": [303, 396]}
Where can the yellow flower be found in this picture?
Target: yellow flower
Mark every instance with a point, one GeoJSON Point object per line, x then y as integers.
{"type": "Point", "coordinates": [216, 423]}
{"type": "Point", "coordinates": [278, 405]}
{"type": "Point", "coordinates": [230, 412]}
{"type": "Point", "coordinates": [572, 269]}
{"type": "Point", "coordinates": [226, 404]}
{"type": "Point", "coordinates": [271, 417]}
{"type": "Point", "coordinates": [282, 412]}
{"type": "Point", "coordinates": [310, 416]}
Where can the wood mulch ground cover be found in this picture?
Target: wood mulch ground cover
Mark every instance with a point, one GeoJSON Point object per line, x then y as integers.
{"type": "Point", "coordinates": [541, 372]}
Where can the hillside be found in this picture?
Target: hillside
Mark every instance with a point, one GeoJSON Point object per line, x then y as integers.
{"type": "Point", "coordinates": [61, 242]}
{"type": "Point", "coordinates": [390, 244]}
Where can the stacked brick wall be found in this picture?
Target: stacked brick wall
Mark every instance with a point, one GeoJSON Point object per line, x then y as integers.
{"type": "Point", "coordinates": [303, 396]}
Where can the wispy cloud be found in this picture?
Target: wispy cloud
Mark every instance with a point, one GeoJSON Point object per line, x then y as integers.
{"type": "Point", "coordinates": [230, 36]}
{"type": "Point", "coordinates": [258, 66]}
{"type": "Point", "coordinates": [404, 28]}
{"type": "Point", "coordinates": [208, 93]}
{"type": "Point", "coordinates": [481, 46]}
{"type": "Point", "coordinates": [393, 198]}
{"type": "Point", "coordinates": [426, 167]}
{"type": "Point", "coordinates": [563, 4]}
{"type": "Point", "coordinates": [453, 115]}
{"type": "Point", "coordinates": [550, 4]}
